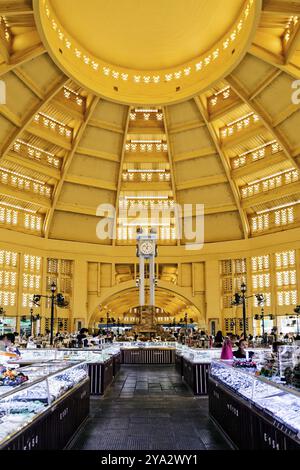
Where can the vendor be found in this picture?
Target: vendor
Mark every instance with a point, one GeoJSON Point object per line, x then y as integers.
{"type": "Point", "coordinates": [241, 351]}
{"type": "Point", "coordinates": [9, 341]}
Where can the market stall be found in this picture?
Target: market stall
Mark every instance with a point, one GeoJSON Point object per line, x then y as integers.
{"type": "Point", "coordinates": [253, 411]}
{"type": "Point", "coordinates": [46, 410]}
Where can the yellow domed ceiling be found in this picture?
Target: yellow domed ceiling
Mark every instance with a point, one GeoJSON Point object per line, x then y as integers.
{"type": "Point", "coordinates": [232, 144]}
{"type": "Point", "coordinates": [157, 51]}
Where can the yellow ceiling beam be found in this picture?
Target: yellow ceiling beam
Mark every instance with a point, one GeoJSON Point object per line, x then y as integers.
{"type": "Point", "coordinates": [111, 157]}
{"type": "Point", "coordinates": [166, 121]}
{"type": "Point", "coordinates": [225, 162]}
{"type": "Point", "coordinates": [281, 6]}
{"type": "Point", "coordinates": [147, 157]}
{"type": "Point", "coordinates": [73, 208]}
{"type": "Point", "coordinates": [29, 83]}
{"type": "Point", "coordinates": [185, 126]}
{"type": "Point", "coordinates": [265, 83]}
{"type": "Point", "coordinates": [51, 137]}
{"type": "Point", "coordinates": [204, 152]}
{"type": "Point", "coordinates": [292, 46]}
{"type": "Point", "coordinates": [258, 165]}
{"type": "Point", "coordinates": [200, 182]}
{"type": "Point", "coordinates": [28, 119]}
{"type": "Point", "coordinates": [288, 190]}
{"type": "Point", "coordinates": [151, 186]}
{"type": "Point", "coordinates": [16, 60]}
{"type": "Point", "coordinates": [240, 90]}
{"type": "Point", "coordinates": [33, 165]}
{"type": "Point", "coordinates": [219, 208]}
{"type": "Point", "coordinates": [25, 196]}
{"type": "Point", "coordinates": [277, 61]}
{"type": "Point", "coordinates": [242, 136]}
{"type": "Point", "coordinates": [67, 164]}
{"type": "Point", "coordinates": [224, 109]}
{"type": "Point", "coordinates": [62, 106]}
{"type": "Point", "coordinates": [15, 8]}
{"type": "Point", "coordinates": [119, 183]}
{"type": "Point", "coordinates": [108, 126]}
{"type": "Point", "coordinates": [10, 115]}
{"type": "Point", "coordinates": [285, 114]}
{"type": "Point", "coordinates": [90, 182]}
{"type": "Point", "coordinates": [4, 46]}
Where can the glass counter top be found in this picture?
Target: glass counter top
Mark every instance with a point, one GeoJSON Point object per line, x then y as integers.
{"type": "Point", "coordinates": [21, 405]}
{"type": "Point", "coordinates": [274, 398]}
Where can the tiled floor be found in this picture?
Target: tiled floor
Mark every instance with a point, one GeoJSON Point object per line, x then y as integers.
{"type": "Point", "coordinates": [148, 407]}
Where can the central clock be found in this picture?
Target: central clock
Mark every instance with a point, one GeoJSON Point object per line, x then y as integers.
{"type": "Point", "coordinates": [147, 248]}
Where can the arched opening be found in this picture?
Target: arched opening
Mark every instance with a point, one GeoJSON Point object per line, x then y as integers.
{"type": "Point", "coordinates": [170, 303]}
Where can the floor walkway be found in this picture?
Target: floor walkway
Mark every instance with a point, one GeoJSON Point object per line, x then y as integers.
{"type": "Point", "coordinates": [149, 408]}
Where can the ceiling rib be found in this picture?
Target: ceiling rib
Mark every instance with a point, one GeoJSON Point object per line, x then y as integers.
{"type": "Point", "coordinates": [68, 161]}
{"type": "Point", "coordinates": [277, 61]}
{"type": "Point", "coordinates": [172, 169]}
{"type": "Point", "coordinates": [239, 89]}
{"type": "Point", "coordinates": [29, 83]}
{"type": "Point", "coordinates": [122, 159]}
{"type": "Point", "coordinates": [17, 134]}
{"type": "Point", "coordinates": [21, 59]}
{"type": "Point", "coordinates": [235, 192]}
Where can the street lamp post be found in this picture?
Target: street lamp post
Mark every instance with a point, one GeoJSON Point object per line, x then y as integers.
{"type": "Point", "coordinates": [186, 323]}
{"type": "Point", "coordinates": [53, 290]}
{"type": "Point", "coordinates": [240, 299]}
{"type": "Point", "coordinates": [56, 299]}
{"type": "Point", "coordinates": [243, 291]}
{"type": "Point", "coordinates": [263, 320]}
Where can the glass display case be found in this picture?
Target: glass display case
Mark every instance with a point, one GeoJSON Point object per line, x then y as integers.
{"type": "Point", "coordinates": [21, 406]}
{"type": "Point", "coordinates": [272, 398]}
{"type": "Point", "coordinates": [289, 359]}
{"type": "Point", "coordinates": [44, 355]}
{"type": "Point", "coordinates": [204, 356]}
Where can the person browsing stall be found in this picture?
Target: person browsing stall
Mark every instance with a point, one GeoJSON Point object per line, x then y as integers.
{"type": "Point", "coordinates": [241, 352]}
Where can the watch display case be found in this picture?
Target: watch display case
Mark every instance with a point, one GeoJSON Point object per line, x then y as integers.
{"type": "Point", "coordinates": [21, 406]}
{"type": "Point", "coordinates": [271, 398]}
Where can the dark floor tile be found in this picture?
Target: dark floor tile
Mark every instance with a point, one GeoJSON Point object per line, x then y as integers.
{"type": "Point", "coordinates": [149, 408]}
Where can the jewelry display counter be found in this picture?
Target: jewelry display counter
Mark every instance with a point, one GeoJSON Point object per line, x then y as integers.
{"type": "Point", "coordinates": [103, 364]}
{"type": "Point", "coordinates": [195, 367]}
{"type": "Point", "coordinates": [253, 411]}
{"type": "Point", "coordinates": [45, 412]}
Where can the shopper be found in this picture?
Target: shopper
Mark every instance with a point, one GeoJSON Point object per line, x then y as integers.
{"type": "Point", "coordinates": [241, 351]}
{"type": "Point", "coordinates": [226, 352]}
{"type": "Point", "coordinates": [82, 338]}
{"type": "Point", "coordinates": [218, 339]}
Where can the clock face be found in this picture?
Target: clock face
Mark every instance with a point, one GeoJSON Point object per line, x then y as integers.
{"type": "Point", "coordinates": [147, 248]}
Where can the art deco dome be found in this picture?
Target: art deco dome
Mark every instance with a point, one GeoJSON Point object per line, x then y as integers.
{"type": "Point", "coordinates": [163, 104]}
